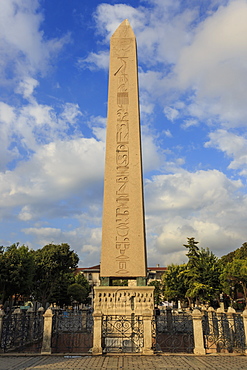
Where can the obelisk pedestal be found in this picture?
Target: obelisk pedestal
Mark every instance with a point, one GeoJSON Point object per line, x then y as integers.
{"type": "Point", "coordinates": [123, 254]}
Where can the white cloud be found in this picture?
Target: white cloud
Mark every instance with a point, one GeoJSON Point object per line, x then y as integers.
{"type": "Point", "coordinates": [25, 214]}
{"type": "Point", "coordinates": [52, 174]}
{"type": "Point", "coordinates": [86, 241]}
{"type": "Point", "coordinates": [206, 56]}
{"type": "Point", "coordinates": [108, 17]}
{"type": "Point", "coordinates": [171, 113]}
{"type": "Point", "coordinates": [150, 153]}
{"type": "Point", "coordinates": [167, 133]}
{"type": "Point", "coordinates": [30, 125]}
{"type": "Point", "coordinates": [26, 87]}
{"type": "Point", "coordinates": [234, 146]}
{"type": "Point", "coordinates": [95, 61]}
{"type": "Point", "coordinates": [214, 64]}
{"type": "Point", "coordinates": [205, 205]}
{"type": "Point", "coordinates": [189, 122]}
{"type": "Point", "coordinates": [151, 27]}
{"type": "Point", "coordinates": [22, 43]}
{"type": "Point", "coordinates": [71, 113]}
{"type": "Point", "coordinates": [7, 118]}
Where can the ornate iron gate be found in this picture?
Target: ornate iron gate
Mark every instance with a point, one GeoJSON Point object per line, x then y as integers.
{"type": "Point", "coordinates": [173, 332]}
{"type": "Point", "coordinates": [72, 331]}
{"type": "Point", "coordinates": [22, 332]}
{"type": "Point", "coordinates": [122, 333]}
{"type": "Point", "coordinates": [223, 333]}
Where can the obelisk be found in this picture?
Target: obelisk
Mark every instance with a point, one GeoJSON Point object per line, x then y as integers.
{"type": "Point", "coordinates": [123, 314]}
{"type": "Point", "coordinates": [123, 232]}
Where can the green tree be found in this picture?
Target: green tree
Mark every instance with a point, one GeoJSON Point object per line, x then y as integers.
{"type": "Point", "coordinates": [235, 273]}
{"type": "Point", "coordinates": [174, 282]}
{"type": "Point", "coordinates": [16, 271]}
{"type": "Point", "coordinates": [157, 291]}
{"type": "Point", "coordinates": [54, 272]}
{"type": "Point", "coordinates": [203, 273]}
{"type": "Point", "coordinates": [80, 279]}
{"type": "Point", "coordinates": [77, 293]}
{"type": "Point", "coordinates": [238, 253]}
{"type": "Point", "coordinates": [193, 252]}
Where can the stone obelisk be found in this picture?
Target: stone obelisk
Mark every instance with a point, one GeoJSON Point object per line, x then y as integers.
{"type": "Point", "coordinates": [123, 232]}
{"type": "Point", "coordinates": [123, 314]}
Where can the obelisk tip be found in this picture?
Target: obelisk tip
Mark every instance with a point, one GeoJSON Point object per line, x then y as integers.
{"type": "Point", "coordinates": [124, 30]}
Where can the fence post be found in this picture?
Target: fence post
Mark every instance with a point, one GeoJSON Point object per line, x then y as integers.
{"type": "Point", "coordinates": [97, 334]}
{"type": "Point", "coordinates": [211, 313]}
{"type": "Point", "coordinates": [244, 314]}
{"type": "Point", "coordinates": [169, 318]}
{"type": "Point", "coordinates": [2, 314]}
{"type": "Point", "coordinates": [198, 332]}
{"type": "Point", "coordinates": [47, 334]}
{"type": "Point", "coordinates": [147, 331]}
{"type": "Point", "coordinates": [230, 317]}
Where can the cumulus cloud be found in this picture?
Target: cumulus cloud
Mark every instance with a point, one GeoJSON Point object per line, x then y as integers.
{"type": "Point", "coordinates": [214, 64]}
{"type": "Point", "coordinates": [26, 87]}
{"type": "Point", "coordinates": [205, 205]}
{"type": "Point", "coordinates": [30, 125]}
{"type": "Point", "coordinates": [234, 146]}
{"type": "Point", "coordinates": [22, 45]}
{"type": "Point", "coordinates": [85, 241]}
{"type": "Point", "coordinates": [205, 57]}
{"type": "Point", "coordinates": [95, 61]}
{"type": "Point", "coordinates": [171, 113]}
{"type": "Point", "coordinates": [52, 174]}
{"type": "Point", "coordinates": [7, 117]}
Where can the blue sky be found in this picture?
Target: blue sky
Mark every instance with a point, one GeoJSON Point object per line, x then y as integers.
{"type": "Point", "coordinates": [53, 101]}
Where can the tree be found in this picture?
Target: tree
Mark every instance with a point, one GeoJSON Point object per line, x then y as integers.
{"type": "Point", "coordinates": [238, 253]}
{"type": "Point", "coordinates": [193, 252]}
{"type": "Point", "coordinates": [80, 279]}
{"type": "Point", "coordinates": [175, 282]}
{"type": "Point", "coordinates": [55, 266]}
{"type": "Point", "coordinates": [16, 271]}
{"type": "Point", "coordinates": [203, 273]}
{"type": "Point", "coordinates": [235, 273]}
{"type": "Point", "coordinates": [157, 291]}
{"type": "Point", "coordinates": [78, 293]}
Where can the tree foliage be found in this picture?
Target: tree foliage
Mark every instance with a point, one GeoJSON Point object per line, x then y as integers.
{"type": "Point", "coordinates": [80, 279]}
{"type": "Point", "coordinates": [54, 272]}
{"type": "Point", "coordinates": [157, 291]}
{"type": "Point", "coordinates": [175, 282]}
{"type": "Point", "coordinates": [234, 274]}
{"type": "Point", "coordinates": [197, 280]}
{"type": "Point", "coordinates": [16, 271]}
{"type": "Point", "coordinates": [239, 253]}
{"type": "Point", "coordinates": [77, 292]}
{"type": "Point", "coordinates": [203, 273]}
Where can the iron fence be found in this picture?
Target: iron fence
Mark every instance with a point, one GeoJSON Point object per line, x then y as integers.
{"type": "Point", "coordinates": [173, 332]}
{"type": "Point", "coordinates": [122, 333]}
{"type": "Point", "coordinates": [72, 331]}
{"type": "Point", "coordinates": [22, 332]}
{"type": "Point", "coordinates": [223, 332]}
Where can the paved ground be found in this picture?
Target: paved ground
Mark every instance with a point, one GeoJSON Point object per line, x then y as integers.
{"type": "Point", "coordinates": [178, 362]}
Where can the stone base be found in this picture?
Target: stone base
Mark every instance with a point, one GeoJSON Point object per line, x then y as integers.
{"type": "Point", "coordinates": [148, 352]}
{"type": "Point", "coordinates": [96, 351]}
{"type": "Point", "coordinates": [129, 302]}
{"type": "Point", "coordinates": [199, 351]}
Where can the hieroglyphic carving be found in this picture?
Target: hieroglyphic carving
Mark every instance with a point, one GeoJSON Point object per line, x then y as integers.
{"type": "Point", "coordinates": [122, 162]}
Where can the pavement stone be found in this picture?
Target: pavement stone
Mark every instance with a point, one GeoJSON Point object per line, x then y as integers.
{"type": "Point", "coordinates": [128, 362]}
